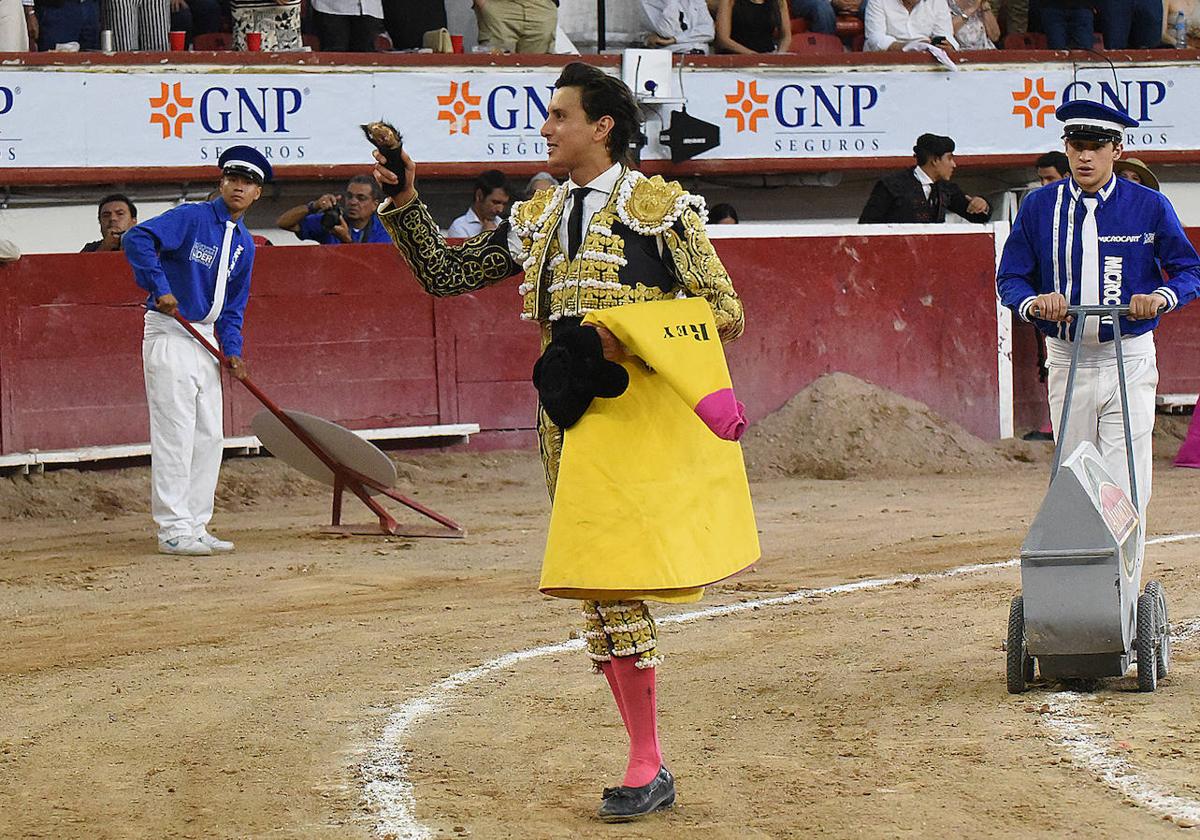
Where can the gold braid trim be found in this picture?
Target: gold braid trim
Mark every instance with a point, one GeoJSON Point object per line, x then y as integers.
{"type": "Point", "coordinates": [702, 274]}
{"type": "Point", "coordinates": [441, 269]}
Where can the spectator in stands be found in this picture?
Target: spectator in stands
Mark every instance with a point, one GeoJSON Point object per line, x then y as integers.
{"type": "Point", "coordinates": [722, 214]}
{"type": "Point", "coordinates": [277, 21]}
{"type": "Point", "coordinates": [1068, 24]}
{"type": "Point", "coordinates": [195, 17]}
{"type": "Point", "coordinates": [491, 199]}
{"type": "Point", "coordinates": [975, 24]}
{"type": "Point", "coordinates": [1134, 170]}
{"type": "Point", "coordinates": [682, 26]}
{"type": "Point", "coordinates": [347, 25]}
{"type": "Point", "coordinates": [64, 21]}
{"type": "Point", "coordinates": [15, 21]}
{"type": "Point", "coordinates": [902, 24]}
{"type": "Point", "coordinates": [116, 214]}
{"type": "Point", "coordinates": [324, 220]}
{"type": "Point", "coordinates": [822, 15]}
{"type": "Point", "coordinates": [1051, 167]}
{"type": "Point", "coordinates": [407, 21]}
{"type": "Point", "coordinates": [925, 193]}
{"type": "Point", "coordinates": [520, 26]}
{"type": "Point", "coordinates": [1131, 24]}
{"type": "Point", "coordinates": [540, 181]}
{"type": "Point", "coordinates": [748, 27]}
{"type": "Point", "coordinates": [138, 24]}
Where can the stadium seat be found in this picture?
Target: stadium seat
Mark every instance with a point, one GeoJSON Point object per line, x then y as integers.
{"type": "Point", "coordinates": [816, 43]}
{"type": "Point", "coordinates": [799, 25]}
{"type": "Point", "coordinates": [1025, 41]}
{"type": "Point", "coordinates": [383, 42]}
{"type": "Point", "coordinates": [213, 41]}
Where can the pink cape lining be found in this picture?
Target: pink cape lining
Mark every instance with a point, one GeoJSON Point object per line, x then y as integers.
{"type": "Point", "coordinates": [723, 413]}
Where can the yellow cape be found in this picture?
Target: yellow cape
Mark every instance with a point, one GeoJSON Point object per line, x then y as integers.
{"type": "Point", "coordinates": [650, 504]}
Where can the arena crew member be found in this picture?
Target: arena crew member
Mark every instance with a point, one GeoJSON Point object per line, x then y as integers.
{"type": "Point", "coordinates": [195, 259]}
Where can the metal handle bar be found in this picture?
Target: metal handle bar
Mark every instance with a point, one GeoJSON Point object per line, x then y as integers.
{"type": "Point", "coordinates": [1082, 313]}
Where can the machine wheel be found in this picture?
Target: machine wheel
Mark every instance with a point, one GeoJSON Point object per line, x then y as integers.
{"type": "Point", "coordinates": [1019, 662]}
{"type": "Point", "coordinates": [1147, 649]}
{"type": "Point", "coordinates": [1164, 628]}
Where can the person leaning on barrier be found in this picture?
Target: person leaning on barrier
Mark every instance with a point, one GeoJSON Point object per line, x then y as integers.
{"type": "Point", "coordinates": [1097, 239]}
{"type": "Point", "coordinates": [1051, 167]}
{"type": "Point", "coordinates": [326, 221]}
{"type": "Point", "coordinates": [923, 194]}
{"type": "Point", "coordinates": [540, 181]}
{"type": "Point", "coordinates": [488, 203]}
{"type": "Point", "coordinates": [116, 214]}
{"type": "Point", "coordinates": [1134, 170]}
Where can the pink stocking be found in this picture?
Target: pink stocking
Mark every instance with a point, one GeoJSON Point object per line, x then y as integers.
{"type": "Point", "coordinates": [641, 719]}
{"type": "Point", "coordinates": [607, 669]}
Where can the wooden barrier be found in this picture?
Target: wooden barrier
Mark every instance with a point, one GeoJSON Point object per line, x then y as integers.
{"type": "Point", "coordinates": [346, 333]}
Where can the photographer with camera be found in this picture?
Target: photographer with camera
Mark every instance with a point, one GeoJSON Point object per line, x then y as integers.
{"type": "Point", "coordinates": [329, 221]}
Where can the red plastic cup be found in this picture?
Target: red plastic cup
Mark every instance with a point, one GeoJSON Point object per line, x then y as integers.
{"type": "Point", "coordinates": [456, 43]}
{"type": "Point", "coordinates": [178, 40]}
{"type": "Point", "coordinates": [254, 41]}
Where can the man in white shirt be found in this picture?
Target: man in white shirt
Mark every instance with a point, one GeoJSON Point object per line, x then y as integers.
{"type": "Point", "coordinates": [348, 25]}
{"type": "Point", "coordinates": [681, 26]}
{"type": "Point", "coordinates": [491, 199]}
{"type": "Point", "coordinates": [895, 25]}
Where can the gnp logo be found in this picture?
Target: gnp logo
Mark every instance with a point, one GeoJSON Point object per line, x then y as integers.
{"type": "Point", "coordinates": [8, 97]}
{"type": "Point", "coordinates": [8, 148]}
{"type": "Point", "coordinates": [511, 116]}
{"type": "Point", "coordinates": [838, 111]}
{"type": "Point", "coordinates": [226, 112]}
{"type": "Point", "coordinates": [1034, 102]}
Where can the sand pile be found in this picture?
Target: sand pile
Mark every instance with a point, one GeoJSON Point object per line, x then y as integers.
{"type": "Point", "coordinates": [105, 493]}
{"type": "Point", "coordinates": [841, 427]}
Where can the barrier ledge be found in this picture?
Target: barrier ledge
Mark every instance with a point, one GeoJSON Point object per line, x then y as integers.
{"type": "Point", "coordinates": [1176, 403]}
{"type": "Point", "coordinates": [36, 460]}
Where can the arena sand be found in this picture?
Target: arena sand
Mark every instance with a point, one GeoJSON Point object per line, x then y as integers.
{"type": "Point", "coordinates": [148, 696]}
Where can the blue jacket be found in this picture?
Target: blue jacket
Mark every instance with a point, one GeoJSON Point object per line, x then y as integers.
{"type": "Point", "coordinates": [177, 253]}
{"type": "Point", "coordinates": [310, 228]}
{"type": "Point", "coordinates": [1139, 236]}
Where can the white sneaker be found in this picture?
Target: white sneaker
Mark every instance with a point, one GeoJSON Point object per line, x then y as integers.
{"type": "Point", "coordinates": [186, 545]}
{"type": "Point", "coordinates": [217, 546]}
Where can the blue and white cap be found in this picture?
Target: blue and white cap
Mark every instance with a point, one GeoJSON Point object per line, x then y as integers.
{"type": "Point", "coordinates": [246, 160]}
{"type": "Point", "coordinates": [1086, 120]}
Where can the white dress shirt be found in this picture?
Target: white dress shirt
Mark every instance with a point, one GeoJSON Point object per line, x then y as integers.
{"type": "Point", "coordinates": [601, 189]}
{"type": "Point", "coordinates": [889, 21]}
{"type": "Point", "coordinates": [924, 180]}
{"type": "Point", "coordinates": [466, 225]}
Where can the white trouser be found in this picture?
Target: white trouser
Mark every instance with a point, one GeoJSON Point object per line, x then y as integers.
{"type": "Point", "coordinates": [1096, 405]}
{"type": "Point", "coordinates": [183, 388]}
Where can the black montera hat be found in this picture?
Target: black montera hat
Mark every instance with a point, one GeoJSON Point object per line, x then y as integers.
{"type": "Point", "coordinates": [572, 372]}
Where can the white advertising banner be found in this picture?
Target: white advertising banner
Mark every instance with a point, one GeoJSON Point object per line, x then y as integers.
{"type": "Point", "coordinates": [149, 115]}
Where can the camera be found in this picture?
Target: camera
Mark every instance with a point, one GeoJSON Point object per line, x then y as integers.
{"type": "Point", "coordinates": [331, 218]}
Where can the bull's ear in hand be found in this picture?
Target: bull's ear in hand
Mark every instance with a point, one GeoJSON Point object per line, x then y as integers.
{"type": "Point", "coordinates": [387, 139]}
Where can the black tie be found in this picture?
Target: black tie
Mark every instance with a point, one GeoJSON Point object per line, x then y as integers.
{"type": "Point", "coordinates": [575, 223]}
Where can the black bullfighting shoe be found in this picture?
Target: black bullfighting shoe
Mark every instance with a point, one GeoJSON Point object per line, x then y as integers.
{"type": "Point", "coordinates": [628, 803]}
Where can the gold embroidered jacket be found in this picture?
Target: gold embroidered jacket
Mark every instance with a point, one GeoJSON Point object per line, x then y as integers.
{"type": "Point", "coordinates": [647, 243]}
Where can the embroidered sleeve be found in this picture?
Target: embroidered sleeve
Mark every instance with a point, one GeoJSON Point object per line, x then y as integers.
{"type": "Point", "coordinates": [445, 270]}
{"type": "Point", "coordinates": [701, 273]}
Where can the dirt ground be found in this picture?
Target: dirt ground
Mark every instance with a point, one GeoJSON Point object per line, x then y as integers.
{"type": "Point", "coordinates": [237, 696]}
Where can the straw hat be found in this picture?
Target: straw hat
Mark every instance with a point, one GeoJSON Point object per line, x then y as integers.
{"type": "Point", "coordinates": [1143, 171]}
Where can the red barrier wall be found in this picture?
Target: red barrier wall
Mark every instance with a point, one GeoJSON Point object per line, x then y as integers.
{"type": "Point", "coordinates": [346, 333]}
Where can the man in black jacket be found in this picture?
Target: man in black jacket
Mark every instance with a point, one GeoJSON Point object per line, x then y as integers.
{"type": "Point", "coordinates": [923, 193]}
